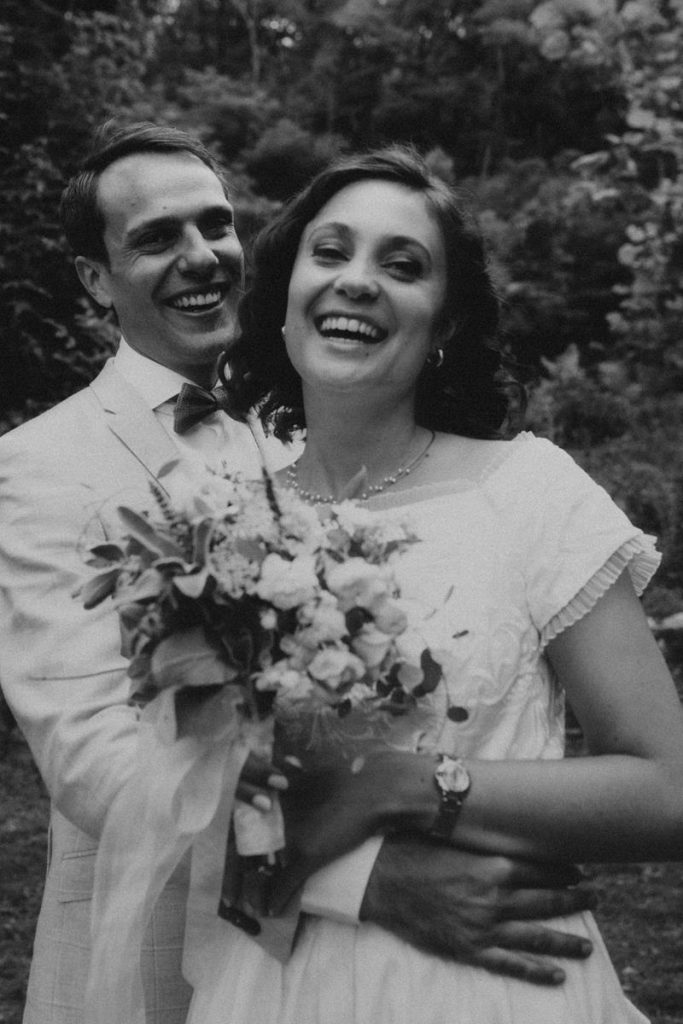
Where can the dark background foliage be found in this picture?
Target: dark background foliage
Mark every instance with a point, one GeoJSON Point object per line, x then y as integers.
{"type": "Point", "coordinates": [562, 119]}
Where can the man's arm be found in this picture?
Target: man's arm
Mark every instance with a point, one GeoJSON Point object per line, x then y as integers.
{"type": "Point", "coordinates": [61, 669]}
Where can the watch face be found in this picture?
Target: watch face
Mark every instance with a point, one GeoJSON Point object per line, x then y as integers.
{"type": "Point", "coordinates": [452, 776]}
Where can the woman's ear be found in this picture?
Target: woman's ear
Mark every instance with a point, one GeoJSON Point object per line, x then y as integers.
{"type": "Point", "coordinates": [444, 332]}
{"type": "Point", "coordinates": [94, 276]}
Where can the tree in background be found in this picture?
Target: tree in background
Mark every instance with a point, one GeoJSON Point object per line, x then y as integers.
{"type": "Point", "coordinates": [562, 118]}
{"type": "Point", "coordinates": [64, 73]}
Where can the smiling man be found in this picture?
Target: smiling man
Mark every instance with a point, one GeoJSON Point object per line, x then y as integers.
{"type": "Point", "coordinates": [152, 228]}
{"type": "Point", "coordinates": [169, 261]}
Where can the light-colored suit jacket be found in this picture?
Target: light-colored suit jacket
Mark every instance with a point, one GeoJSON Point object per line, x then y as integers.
{"type": "Point", "coordinates": [61, 477]}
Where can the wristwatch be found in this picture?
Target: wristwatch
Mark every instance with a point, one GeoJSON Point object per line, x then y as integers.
{"type": "Point", "coordinates": [453, 782]}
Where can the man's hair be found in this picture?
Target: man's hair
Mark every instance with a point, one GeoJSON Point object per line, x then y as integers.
{"type": "Point", "coordinates": [82, 219]}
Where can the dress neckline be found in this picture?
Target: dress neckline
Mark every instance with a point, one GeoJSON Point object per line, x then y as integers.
{"type": "Point", "coordinates": [479, 463]}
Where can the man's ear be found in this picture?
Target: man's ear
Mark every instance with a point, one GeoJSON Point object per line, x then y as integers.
{"type": "Point", "coordinates": [94, 277]}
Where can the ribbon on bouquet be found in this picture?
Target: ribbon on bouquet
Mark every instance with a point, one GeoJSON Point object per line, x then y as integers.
{"type": "Point", "coordinates": [179, 788]}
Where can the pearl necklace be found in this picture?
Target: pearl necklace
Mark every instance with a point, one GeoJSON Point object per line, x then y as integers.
{"type": "Point", "coordinates": [385, 482]}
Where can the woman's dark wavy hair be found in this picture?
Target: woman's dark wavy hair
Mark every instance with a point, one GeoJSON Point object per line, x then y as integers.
{"type": "Point", "coordinates": [469, 394]}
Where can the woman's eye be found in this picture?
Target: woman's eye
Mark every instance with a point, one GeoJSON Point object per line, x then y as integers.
{"type": "Point", "coordinates": [404, 268]}
{"type": "Point", "coordinates": [328, 253]}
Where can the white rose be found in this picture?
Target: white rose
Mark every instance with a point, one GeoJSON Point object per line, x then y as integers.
{"type": "Point", "coordinates": [358, 584]}
{"type": "Point", "coordinates": [410, 646]}
{"type": "Point", "coordinates": [390, 617]}
{"type": "Point", "coordinates": [285, 583]}
{"type": "Point", "coordinates": [280, 676]}
{"type": "Point", "coordinates": [335, 666]}
{"type": "Point", "coordinates": [371, 645]}
{"type": "Point", "coordinates": [268, 617]}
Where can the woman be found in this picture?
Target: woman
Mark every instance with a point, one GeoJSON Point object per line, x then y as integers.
{"type": "Point", "coordinates": [371, 322]}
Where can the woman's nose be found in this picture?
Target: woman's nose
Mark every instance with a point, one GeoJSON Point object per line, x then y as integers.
{"type": "Point", "coordinates": [357, 280]}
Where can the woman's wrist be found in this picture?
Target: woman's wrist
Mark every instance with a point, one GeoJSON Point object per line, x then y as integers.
{"type": "Point", "coordinates": [406, 797]}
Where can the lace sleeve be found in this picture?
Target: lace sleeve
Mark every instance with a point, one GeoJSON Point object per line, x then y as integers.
{"type": "Point", "coordinates": [638, 555]}
{"type": "Point", "coordinates": [575, 541]}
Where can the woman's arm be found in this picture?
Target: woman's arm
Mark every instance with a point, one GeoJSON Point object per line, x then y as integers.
{"type": "Point", "coordinates": [625, 800]}
{"type": "Point", "coordinates": [622, 802]}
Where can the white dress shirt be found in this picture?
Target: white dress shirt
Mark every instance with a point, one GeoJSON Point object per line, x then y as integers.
{"type": "Point", "coordinates": [217, 441]}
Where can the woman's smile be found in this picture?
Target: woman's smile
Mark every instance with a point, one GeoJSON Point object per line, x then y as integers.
{"type": "Point", "coordinates": [364, 297]}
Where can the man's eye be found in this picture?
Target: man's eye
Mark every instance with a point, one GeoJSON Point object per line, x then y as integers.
{"type": "Point", "coordinates": [155, 240]}
{"type": "Point", "coordinates": [218, 228]}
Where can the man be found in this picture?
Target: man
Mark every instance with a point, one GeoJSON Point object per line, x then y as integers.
{"type": "Point", "coordinates": [153, 231]}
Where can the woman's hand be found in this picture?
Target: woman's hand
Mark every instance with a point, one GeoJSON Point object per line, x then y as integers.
{"type": "Point", "coordinates": [336, 799]}
{"type": "Point", "coordinates": [259, 780]}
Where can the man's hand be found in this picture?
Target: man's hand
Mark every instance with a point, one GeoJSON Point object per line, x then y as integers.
{"type": "Point", "coordinates": [258, 779]}
{"type": "Point", "coordinates": [475, 908]}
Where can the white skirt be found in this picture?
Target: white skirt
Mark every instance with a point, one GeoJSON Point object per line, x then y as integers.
{"type": "Point", "coordinates": [340, 974]}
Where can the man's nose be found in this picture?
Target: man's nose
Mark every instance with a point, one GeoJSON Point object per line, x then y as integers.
{"type": "Point", "coordinates": [198, 256]}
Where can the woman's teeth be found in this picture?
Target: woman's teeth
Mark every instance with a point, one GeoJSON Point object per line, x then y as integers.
{"type": "Point", "coordinates": [350, 327]}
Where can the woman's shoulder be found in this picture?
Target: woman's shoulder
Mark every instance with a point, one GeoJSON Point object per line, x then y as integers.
{"type": "Point", "coordinates": [481, 460]}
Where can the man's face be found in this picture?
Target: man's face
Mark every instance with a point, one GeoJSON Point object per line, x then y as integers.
{"type": "Point", "coordinates": [175, 262]}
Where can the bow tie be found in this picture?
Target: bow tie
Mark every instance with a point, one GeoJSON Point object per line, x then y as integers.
{"type": "Point", "coordinates": [195, 404]}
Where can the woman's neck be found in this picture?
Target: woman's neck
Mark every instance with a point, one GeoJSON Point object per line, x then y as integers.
{"type": "Point", "coordinates": [342, 442]}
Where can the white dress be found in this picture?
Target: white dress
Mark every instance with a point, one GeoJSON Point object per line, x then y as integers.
{"type": "Point", "coordinates": [519, 547]}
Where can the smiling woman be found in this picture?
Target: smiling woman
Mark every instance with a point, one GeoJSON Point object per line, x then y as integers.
{"type": "Point", "coordinates": [526, 578]}
{"type": "Point", "coordinates": [363, 298]}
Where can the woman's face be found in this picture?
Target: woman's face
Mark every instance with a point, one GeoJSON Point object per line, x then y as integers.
{"type": "Point", "coordinates": [367, 289]}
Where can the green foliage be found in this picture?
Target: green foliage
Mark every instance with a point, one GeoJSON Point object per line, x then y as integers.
{"type": "Point", "coordinates": [286, 157]}
{"type": "Point", "coordinates": [85, 72]}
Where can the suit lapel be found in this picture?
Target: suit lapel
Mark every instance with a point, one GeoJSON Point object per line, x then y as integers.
{"type": "Point", "coordinates": [132, 421]}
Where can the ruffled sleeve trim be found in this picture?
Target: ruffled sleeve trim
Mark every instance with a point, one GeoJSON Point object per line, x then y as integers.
{"type": "Point", "coordinates": [639, 555]}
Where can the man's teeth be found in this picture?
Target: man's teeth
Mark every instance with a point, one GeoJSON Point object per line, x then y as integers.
{"type": "Point", "coordinates": [197, 301]}
{"type": "Point", "coordinates": [335, 325]}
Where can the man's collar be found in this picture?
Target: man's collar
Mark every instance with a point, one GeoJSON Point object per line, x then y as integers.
{"type": "Point", "coordinates": [154, 382]}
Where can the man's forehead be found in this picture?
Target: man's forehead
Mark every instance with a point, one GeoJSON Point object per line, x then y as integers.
{"type": "Point", "coordinates": [156, 184]}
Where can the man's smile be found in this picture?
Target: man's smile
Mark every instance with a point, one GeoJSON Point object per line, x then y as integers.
{"type": "Point", "coordinates": [200, 300]}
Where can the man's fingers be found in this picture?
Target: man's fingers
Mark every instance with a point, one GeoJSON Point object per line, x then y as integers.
{"type": "Point", "coordinates": [539, 904]}
{"type": "Point", "coordinates": [532, 938]}
{"type": "Point", "coordinates": [519, 965]}
{"type": "Point", "coordinates": [522, 874]}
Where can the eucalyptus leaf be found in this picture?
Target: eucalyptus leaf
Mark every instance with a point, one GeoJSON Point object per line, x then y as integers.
{"type": "Point", "coordinates": [193, 584]}
{"type": "Point", "coordinates": [95, 590]}
{"type": "Point", "coordinates": [187, 659]}
{"type": "Point", "coordinates": [202, 536]}
{"type": "Point", "coordinates": [149, 585]}
{"type": "Point", "coordinates": [168, 467]}
{"type": "Point", "coordinates": [145, 534]}
{"type": "Point", "coordinates": [105, 554]}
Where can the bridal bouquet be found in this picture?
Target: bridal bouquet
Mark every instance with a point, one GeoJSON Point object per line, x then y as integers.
{"type": "Point", "coordinates": [232, 582]}
{"type": "Point", "coordinates": [233, 587]}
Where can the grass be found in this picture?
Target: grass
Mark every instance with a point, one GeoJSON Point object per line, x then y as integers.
{"type": "Point", "coordinates": [640, 909]}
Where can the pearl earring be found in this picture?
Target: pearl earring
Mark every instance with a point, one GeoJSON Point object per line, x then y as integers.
{"type": "Point", "coordinates": [283, 332]}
